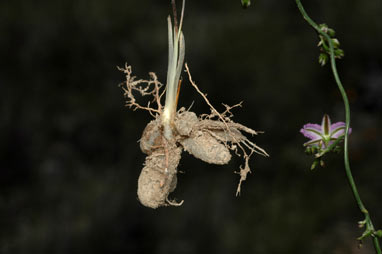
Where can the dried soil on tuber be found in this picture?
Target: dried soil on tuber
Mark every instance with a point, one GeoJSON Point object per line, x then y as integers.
{"type": "Point", "coordinates": [208, 137]}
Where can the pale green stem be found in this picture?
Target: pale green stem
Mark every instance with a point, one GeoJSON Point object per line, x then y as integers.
{"type": "Point", "coordinates": [176, 47]}
{"type": "Point", "coordinates": [369, 224]}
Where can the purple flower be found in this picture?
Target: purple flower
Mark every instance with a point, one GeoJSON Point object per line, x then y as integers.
{"type": "Point", "coordinates": [323, 135]}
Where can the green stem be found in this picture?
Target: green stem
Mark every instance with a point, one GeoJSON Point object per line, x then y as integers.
{"type": "Point", "coordinates": [330, 148]}
{"type": "Point", "coordinates": [369, 224]}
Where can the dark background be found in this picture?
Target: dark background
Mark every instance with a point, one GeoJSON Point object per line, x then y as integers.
{"type": "Point", "coordinates": [68, 147]}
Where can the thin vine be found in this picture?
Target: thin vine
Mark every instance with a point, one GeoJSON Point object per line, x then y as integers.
{"type": "Point", "coordinates": [369, 231]}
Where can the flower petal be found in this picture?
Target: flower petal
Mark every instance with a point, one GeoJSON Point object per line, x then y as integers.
{"type": "Point", "coordinates": [338, 132]}
{"type": "Point", "coordinates": [338, 129]}
{"type": "Point", "coordinates": [336, 125]}
{"type": "Point", "coordinates": [312, 131]}
{"type": "Point", "coordinates": [314, 142]}
{"type": "Point", "coordinates": [325, 125]}
{"type": "Point", "coordinates": [314, 126]}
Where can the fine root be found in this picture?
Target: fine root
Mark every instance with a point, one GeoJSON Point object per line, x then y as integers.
{"type": "Point", "coordinates": [231, 132]}
{"type": "Point", "coordinates": [151, 87]}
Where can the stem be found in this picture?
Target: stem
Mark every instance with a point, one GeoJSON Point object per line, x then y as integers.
{"type": "Point", "coordinates": [369, 224]}
{"type": "Point", "coordinates": [175, 62]}
{"type": "Point", "coordinates": [329, 148]}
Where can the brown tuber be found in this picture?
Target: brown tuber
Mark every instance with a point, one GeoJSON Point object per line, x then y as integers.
{"type": "Point", "coordinates": [158, 176]}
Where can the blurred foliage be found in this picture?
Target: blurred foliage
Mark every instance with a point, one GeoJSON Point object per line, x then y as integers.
{"type": "Point", "coordinates": [69, 154]}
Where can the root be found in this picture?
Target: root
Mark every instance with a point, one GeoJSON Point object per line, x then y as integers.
{"type": "Point", "coordinates": [165, 147]}
{"type": "Point", "coordinates": [173, 202]}
{"type": "Point", "coordinates": [149, 87]}
{"type": "Point", "coordinates": [243, 175]}
{"type": "Point", "coordinates": [231, 132]}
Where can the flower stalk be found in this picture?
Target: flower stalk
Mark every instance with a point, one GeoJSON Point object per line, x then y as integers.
{"type": "Point", "coordinates": [369, 231]}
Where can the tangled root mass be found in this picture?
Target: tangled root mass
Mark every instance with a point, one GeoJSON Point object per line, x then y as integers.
{"type": "Point", "coordinates": [210, 138]}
